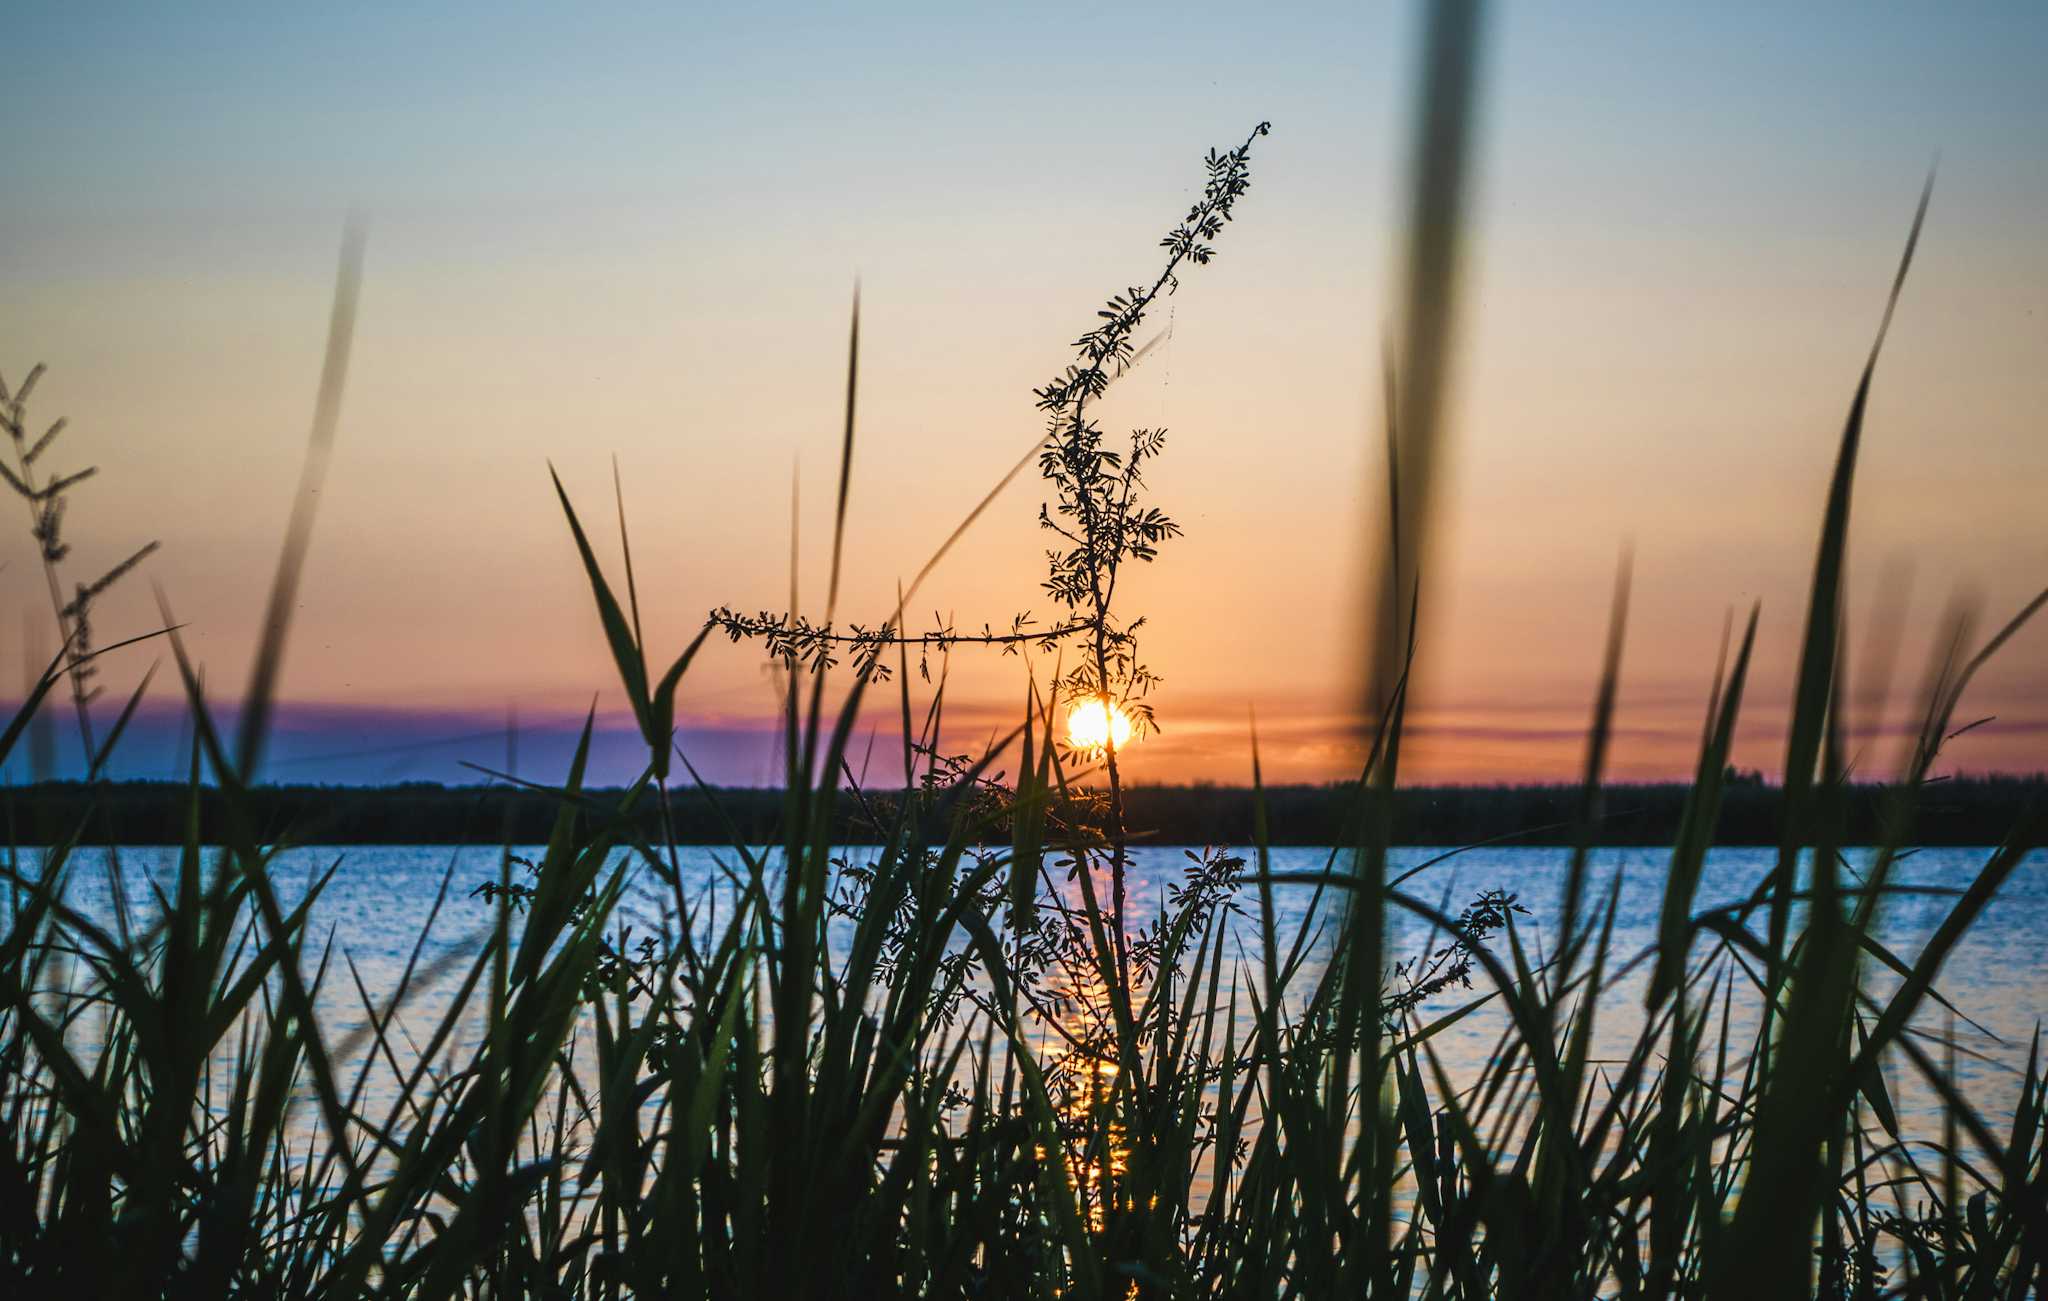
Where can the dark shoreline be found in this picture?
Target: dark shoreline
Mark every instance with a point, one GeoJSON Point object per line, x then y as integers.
{"type": "Point", "coordinates": [1963, 811]}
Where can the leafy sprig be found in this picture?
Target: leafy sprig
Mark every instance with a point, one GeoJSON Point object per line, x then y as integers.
{"type": "Point", "coordinates": [1097, 507]}
{"type": "Point", "coordinates": [47, 500]}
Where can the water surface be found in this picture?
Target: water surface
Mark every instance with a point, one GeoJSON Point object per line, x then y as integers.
{"type": "Point", "coordinates": [380, 898]}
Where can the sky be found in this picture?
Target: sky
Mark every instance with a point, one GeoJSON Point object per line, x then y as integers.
{"type": "Point", "coordinates": [613, 232]}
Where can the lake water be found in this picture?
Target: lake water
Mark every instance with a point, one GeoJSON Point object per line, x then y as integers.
{"type": "Point", "coordinates": [381, 896]}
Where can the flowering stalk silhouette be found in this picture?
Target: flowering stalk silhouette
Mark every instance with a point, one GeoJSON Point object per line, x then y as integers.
{"type": "Point", "coordinates": [46, 500]}
{"type": "Point", "coordinates": [1097, 511]}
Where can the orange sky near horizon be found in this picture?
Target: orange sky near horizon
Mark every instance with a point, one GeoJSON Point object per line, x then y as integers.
{"type": "Point", "coordinates": [1678, 257]}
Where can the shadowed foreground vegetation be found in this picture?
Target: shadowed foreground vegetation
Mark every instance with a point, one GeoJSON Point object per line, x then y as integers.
{"type": "Point", "coordinates": [958, 1066]}
{"type": "Point", "coordinates": [1957, 811]}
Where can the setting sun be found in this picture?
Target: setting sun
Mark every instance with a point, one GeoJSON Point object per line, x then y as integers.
{"type": "Point", "coordinates": [1095, 724]}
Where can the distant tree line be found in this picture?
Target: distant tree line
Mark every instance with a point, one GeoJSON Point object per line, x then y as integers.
{"type": "Point", "coordinates": [1960, 811]}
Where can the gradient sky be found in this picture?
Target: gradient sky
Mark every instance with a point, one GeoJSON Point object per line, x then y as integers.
{"type": "Point", "coordinates": [600, 230]}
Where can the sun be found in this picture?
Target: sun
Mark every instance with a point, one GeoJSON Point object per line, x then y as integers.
{"type": "Point", "coordinates": [1095, 723]}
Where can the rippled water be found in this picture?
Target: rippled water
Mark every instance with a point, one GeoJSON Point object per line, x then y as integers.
{"type": "Point", "coordinates": [380, 898]}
